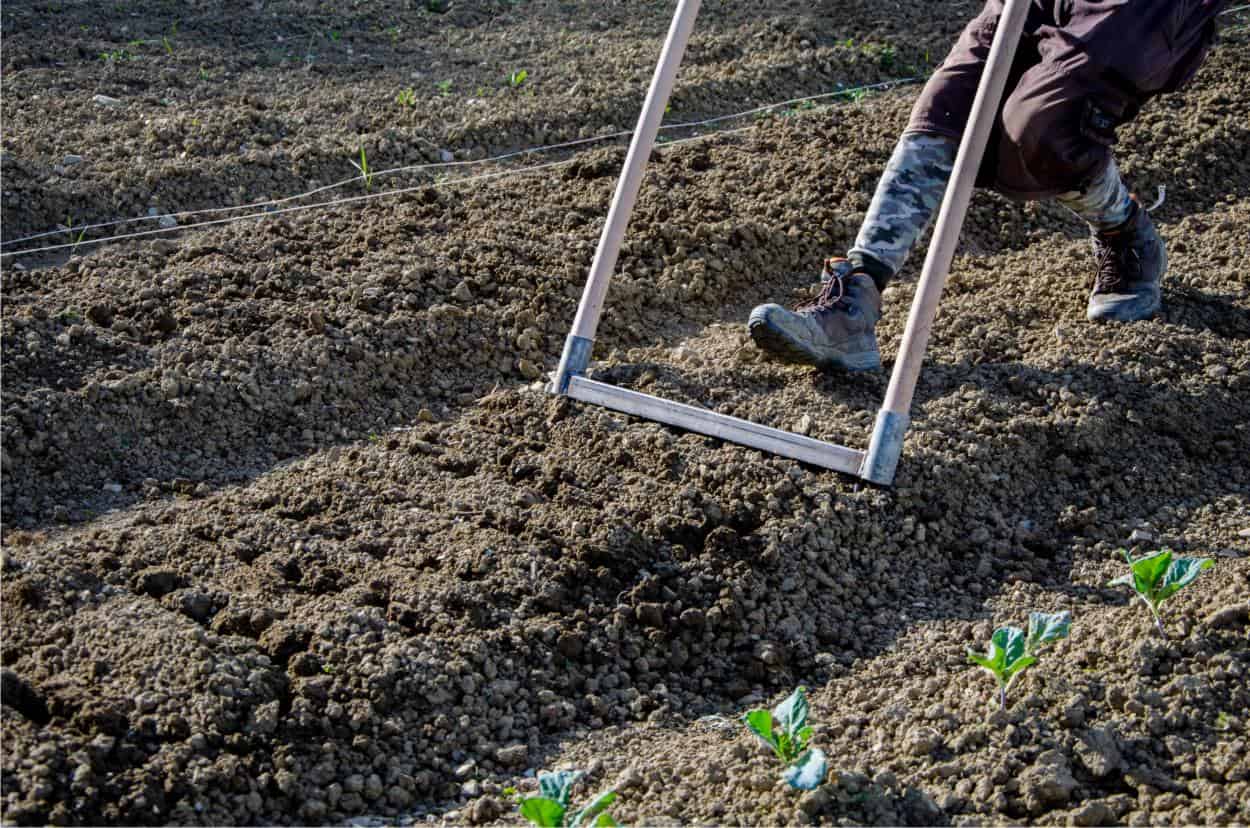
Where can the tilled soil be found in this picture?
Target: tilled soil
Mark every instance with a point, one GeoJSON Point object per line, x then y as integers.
{"type": "Point", "coordinates": [293, 533]}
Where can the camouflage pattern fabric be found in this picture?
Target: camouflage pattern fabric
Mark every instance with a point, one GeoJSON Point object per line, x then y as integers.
{"type": "Point", "coordinates": [907, 197]}
{"type": "Point", "coordinates": [1104, 202]}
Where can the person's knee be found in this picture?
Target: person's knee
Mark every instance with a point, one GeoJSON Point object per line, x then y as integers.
{"type": "Point", "coordinates": [1045, 147]}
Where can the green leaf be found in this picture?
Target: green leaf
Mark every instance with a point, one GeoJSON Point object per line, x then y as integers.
{"type": "Point", "coordinates": [994, 661]}
{"type": "Point", "coordinates": [1047, 628]}
{"type": "Point", "coordinates": [809, 771]}
{"type": "Point", "coordinates": [791, 714]}
{"type": "Point", "coordinates": [1018, 666]}
{"type": "Point", "coordinates": [598, 806]}
{"type": "Point", "coordinates": [1182, 573]}
{"type": "Point", "coordinates": [803, 737]}
{"type": "Point", "coordinates": [1012, 641]}
{"type": "Point", "coordinates": [1148, 571]}
{"type": "Point", "coordinates": [544, 812]}
{"type": "Point", "coordinates": [558, 785]}
{"type": "Point", "coordinates": [760, 722]}
{"type": "Point", "coordinates": [605, 821]}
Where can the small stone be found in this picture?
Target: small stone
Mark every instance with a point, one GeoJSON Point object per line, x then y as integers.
{"type": "Point", "coordinates": [1140, 536]}
{"type": "Point", "coordinates": [650, 615]}
{"type": "Point", "coordinates": [462, 291]}
{"type": "Point", "coordinates": [1048, 783]}
{"type": "Point", "coordinates": [814, 802]}
{"type": "Point", "coordinates": [425, 415]}
{"type": "Point", "coordinates": [71, 160]}
{"type": "Point", "coordinates": [105, 100]}
{"type": "Point", "coordinates": [1092, 813]}
{"type": "Point", "coordinates": [167, 222]}
{"type": "Point", "coordinates": [528, 369]}
{"type": "Point", "coordinates": [513, 756]}
{"type": "Point", "coordinates": [446, 156]}
{"type": "Point", "coordinates": [1099, 752]}
{"type": "Point", "coordinates": [804, 425]}
{"type": "Point", "coordinates": [486, 809]}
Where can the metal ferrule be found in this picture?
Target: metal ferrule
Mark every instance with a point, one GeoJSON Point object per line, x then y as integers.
{"type": "Point", "coordinates": [574, 360]}
{"type": "Point", "coordinates": [885, 448]}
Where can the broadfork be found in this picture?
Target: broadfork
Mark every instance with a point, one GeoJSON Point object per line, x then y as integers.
{"type": "Point", "coordinates": [885, 446]}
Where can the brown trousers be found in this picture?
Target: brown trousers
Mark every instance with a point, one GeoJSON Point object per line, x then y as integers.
{"type": "Point", "coordinates": [1083, 67]}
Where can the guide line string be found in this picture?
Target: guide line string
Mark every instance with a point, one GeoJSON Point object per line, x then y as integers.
{"type": "Point", "coordinates": [271, 207]}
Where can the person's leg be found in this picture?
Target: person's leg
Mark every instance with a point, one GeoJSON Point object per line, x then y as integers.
{"type": "Point", "coordinates": [904, 204]}
{"type": "Point", "coordinates": [1059, 124]}
{"type": "Point", "coordinates": [838, 328]}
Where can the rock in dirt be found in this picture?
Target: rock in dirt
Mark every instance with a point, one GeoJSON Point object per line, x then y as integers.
{"type": "Point", "coordinates": [105, 100]}
{"type": "Point", "coordinates": [486, 809]}
{"type": "Point", "coordinates": [1096, 812]}
{"type": "Point", "coordinates": [1099, 752]}
{"type": "Point", "coordinates": [513, 756]}
{"type": "Point", "coordinates": [1048, 783]}
{"type": "Point", "coordinates": [1237, 615]}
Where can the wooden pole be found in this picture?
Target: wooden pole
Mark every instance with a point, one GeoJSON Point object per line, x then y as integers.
{"type": "Point", "coordinates": [886, 444]}
{"type": "Point", "coordinates": [577, 348]}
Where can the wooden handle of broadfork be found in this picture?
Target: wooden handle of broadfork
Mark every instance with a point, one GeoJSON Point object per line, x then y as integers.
{"type": "Point", "coordinates": [886, 444]}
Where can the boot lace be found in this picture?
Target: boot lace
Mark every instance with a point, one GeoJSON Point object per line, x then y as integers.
{"type": "Point", "coordinates": [833, 294]}
{"type": "Point", "coordinates": [1118, 263]}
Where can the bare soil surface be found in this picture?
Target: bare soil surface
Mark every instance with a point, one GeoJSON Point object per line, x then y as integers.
{"type": "Point", "coordinates": [293, 534]}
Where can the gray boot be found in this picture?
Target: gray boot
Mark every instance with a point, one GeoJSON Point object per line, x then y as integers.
{"type": "Point", "coordinates": [1131, 262]}
{"type": "Point", "coordinates": [833, 330]}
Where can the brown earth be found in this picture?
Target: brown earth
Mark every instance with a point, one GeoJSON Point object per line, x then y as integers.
{"type": "Point", "coordinates": [292, 533]}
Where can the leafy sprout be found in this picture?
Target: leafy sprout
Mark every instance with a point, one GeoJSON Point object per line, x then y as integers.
{"type": "Point", "coordinates": [407, 97]}
{"type": "Point", "coordinates": [517, 78]}
{"type": "Point", "coordinates": [785, 730]}
{"type": "Point", "coordinates": [1012, 650]}
{"type": "Point", "coordinates": [1158, 576]}
{"type": "Point", "coordinates": [550, 809]}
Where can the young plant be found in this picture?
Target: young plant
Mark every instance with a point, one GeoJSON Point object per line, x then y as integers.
{"type": "Point", "coordinates": [550, 809]}
{"type": "Point", "coordinates": [444, 87]}
{"type": "Point", "coordinates": [1012, 651]}
{"type": "Point", "coordinates": [785, 730]}
{"type": "Point", "coordinates": [517, 78]}
{"type": "Point", "coordinates": [407, 97]}
{"type": "Point", "coordinates": [363, 166]}
{"type": "Point", "coordinates": [1157, 577]}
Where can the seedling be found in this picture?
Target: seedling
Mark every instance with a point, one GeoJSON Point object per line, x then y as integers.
{"type": "Point", "coordinates": [363, 166]}
{"type": "Point", "coordinates": [785, 730]}
{"type": "Point", "coordinates": [550, 809]}
{"type": "Point", "coordinates": [1157, 577]}
{"type": "Point", "coordinates": [69, 232]}
{"type": "Point", "coordinates": [406, 97]}
{"type": "Point", "coordinates": [517, 78]}
{"type": "Point", "coordinates": [444, 87]}
{"type": "Point", "coordinates": [1012, 651]}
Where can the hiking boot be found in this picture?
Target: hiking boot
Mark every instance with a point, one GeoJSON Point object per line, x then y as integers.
{"type": "Point", "coordinates": [834, 329]}
{"type": "Point", "coordinates": [1131, 262]}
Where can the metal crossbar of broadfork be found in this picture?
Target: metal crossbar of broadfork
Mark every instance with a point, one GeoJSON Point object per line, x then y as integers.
{"type": "Point", "coordinates": [879, 462]}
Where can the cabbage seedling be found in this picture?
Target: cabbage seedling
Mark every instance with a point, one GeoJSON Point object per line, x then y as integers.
{"type": "Point", "coordinates": [785, 730]}
{"type": "Point", "coordinates": [1012, 651]}
{"type": "Point", "coordinates": [550, 809]}
{"type": "Point", "coordinates": [1157, 577]}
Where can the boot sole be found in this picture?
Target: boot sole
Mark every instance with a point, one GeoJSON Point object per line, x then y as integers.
{"type": "Point", "coordinates": [775, 342]}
